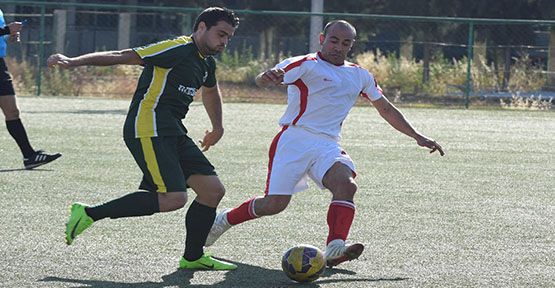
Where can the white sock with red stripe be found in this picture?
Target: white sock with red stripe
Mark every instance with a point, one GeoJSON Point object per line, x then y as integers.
{"type": "Point", "coordinates": [340, 217]}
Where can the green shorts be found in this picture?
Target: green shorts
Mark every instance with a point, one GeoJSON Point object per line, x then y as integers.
{"type": "Point", "coordinates": [168, 161]}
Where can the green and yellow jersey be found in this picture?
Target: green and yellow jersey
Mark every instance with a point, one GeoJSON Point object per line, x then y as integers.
{"type": "Point", "coordinates": [174, 70]}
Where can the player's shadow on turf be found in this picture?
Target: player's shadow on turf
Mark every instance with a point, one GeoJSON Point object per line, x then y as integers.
{"type": "Point", "coordinates": [245, 276]}
{"type": "Point", "coordinates": [332, 271]}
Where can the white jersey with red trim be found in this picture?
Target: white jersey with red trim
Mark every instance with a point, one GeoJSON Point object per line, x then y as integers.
{"type": "Point", "coordinates": [321, 94]}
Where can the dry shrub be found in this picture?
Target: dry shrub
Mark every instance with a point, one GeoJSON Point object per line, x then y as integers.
{"type": "Point", "coordinates": [113, 81]}
{"type": "Point", "coordinates": [518, 102]}
{"type": "Point", "coordinates": [392, 73]}
{"type": "Point", "coordinates": [525, 75]}
{"type": "Point", "coordinates": [397, 76]}
{"type": "Point", "coordinates": [445, 74]}
{"type": "Point", "coordinates": [398, 73]}
{"type": "Point", "coordinates": [23, 74]}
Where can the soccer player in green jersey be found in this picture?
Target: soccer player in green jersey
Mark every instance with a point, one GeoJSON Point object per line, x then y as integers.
{"type": "Point", "coordinates": [153, 132]}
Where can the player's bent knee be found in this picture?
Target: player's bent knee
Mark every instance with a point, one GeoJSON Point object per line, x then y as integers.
{"type": "Point", "coordinates": [351, 187]}
{"type": "Point", "coordinates": [209, 189]}
{"type": "Point", "coordinates": [213, 195]}
{"type": "Point", "coordinates": [345, 190]}
{"type": "Point", "coordinates": [219, 193]}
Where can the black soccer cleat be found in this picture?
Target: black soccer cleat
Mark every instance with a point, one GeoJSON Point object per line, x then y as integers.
{"type": "Point", "coordinates": [39, 158]}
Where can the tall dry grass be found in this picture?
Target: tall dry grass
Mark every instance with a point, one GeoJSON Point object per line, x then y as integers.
{"type": "Point", "coordinates": [113, 81]}
{"type": "Point", "coordinates": [517, 102]}
{"type": "Point", "coordinates": [399, 75]}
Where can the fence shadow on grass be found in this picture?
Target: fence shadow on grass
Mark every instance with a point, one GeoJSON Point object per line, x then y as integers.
{"type": "Point", "coordinates": [23, 169]}
{"type": "Point", "coordinates": [82, 111]}
{"type": "Point", "coordinates": [245, 276]}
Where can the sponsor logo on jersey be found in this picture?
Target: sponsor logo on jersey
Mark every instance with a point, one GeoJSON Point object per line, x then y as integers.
{"type": "Point", "coordinates": [189, 91]}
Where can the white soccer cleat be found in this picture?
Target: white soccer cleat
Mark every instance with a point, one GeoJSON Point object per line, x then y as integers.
{"type": "Point", "coordinates": [218, 228]}
{"type": "Point", "coordinates": [338, 252]}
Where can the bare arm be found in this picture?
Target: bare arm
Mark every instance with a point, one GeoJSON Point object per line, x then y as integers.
{"type": "Point", "coordinates": [269, 78]}
{"type": "Point", "coordinates": [396, 119]}
{"type": "Point", "coordinates": [212, 100]}
{"type": "Point", "coordinates": [107, 58]}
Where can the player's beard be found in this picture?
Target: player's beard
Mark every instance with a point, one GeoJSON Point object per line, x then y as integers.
{"type": "Point", "coordinates": [216, 50]}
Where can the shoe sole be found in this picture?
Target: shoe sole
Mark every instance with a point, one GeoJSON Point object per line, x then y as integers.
{"type": "Point", "coordinates": [32, 166]}
{"type": "Point", "coordinates": [353, 252]}
{"type": "Point", "coordinates": [208, 268]}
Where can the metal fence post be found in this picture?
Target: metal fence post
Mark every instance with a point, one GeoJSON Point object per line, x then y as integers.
{"type": "Point", "coordinates": [316, 25]}
{"type": "Point", "coordinates": [186, 28]}
{"type": "Point", "coordinates": [550, 83]}
{"type": "Point", "coordinates": [60, 30]}
{"type": "Point", "coordinates": [41, 46]}
{"type": "Point", "coordinates": [124, 30]}
{"type": "Point", "coordinates": [469, 56]}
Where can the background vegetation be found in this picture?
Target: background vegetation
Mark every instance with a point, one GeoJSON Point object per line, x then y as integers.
{"type": "Point", "coordinates": [413, 56]}
{"type": "Point", "coordinates": [236, 71]}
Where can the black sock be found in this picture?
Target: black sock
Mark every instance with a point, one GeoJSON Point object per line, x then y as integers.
{"type": "Point", "coordinates": [130, 205]}
{"type": "Point", "coordinates": [16, 129]}
{"type": "Point", "coordinates": [198, 223]}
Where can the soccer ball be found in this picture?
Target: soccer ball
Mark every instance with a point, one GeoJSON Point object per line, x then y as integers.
{"type": "Point", "coordinates": [303, 263]}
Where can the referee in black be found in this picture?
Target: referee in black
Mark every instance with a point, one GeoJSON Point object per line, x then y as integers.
{"type": "Point", "coordinates": [31, 158]}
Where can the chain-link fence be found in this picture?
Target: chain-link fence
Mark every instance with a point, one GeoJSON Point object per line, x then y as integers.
{"type": "Point", "coordinates": [414, 58]}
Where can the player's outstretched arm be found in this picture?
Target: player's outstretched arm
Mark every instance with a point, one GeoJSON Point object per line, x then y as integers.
{"type": "Point", "coordinates": [396, 119]}
{"type": "Point", "coordinates": [107, 58]}
{"type": "Point", "coordinates": [269, 78]}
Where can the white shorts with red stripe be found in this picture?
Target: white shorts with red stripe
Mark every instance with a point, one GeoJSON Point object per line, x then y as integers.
{"type": "Point", "coordinates": [297, 154]}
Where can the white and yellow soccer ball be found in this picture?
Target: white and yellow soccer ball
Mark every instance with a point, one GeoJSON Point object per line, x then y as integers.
{"type": "Point", "coordinates": [303, 263]}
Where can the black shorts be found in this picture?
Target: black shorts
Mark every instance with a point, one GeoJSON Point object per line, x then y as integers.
{"type": "Point", "coordinates": [167, 162]}
{"type": "Point", "coordinates": [6, 86]}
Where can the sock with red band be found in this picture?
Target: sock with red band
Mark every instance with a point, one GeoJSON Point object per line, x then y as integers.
{"type": "Point", "coordinates": [340, 217]}
{"type": "Point", "coordinates": [244, 212]}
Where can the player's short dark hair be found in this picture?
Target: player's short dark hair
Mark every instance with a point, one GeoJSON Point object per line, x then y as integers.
{"type": "Point", "coordinates": [331, 23]}
{"type": "Point", "coordinates": [211, 16]}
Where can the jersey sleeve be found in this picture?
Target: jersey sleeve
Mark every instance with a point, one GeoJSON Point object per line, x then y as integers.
{"type": "Point", "coordinates": [293, 69]}
{"type": "Point", "coordinates": [371, 90]}
{"type": "Point", "coordinates": [211, 78]}
{"type": "Point", "coordinates": [165, 54]}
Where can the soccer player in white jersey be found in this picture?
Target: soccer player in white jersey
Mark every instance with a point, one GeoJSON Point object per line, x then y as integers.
{"type": "Point", "coordinates": [322, 88]}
